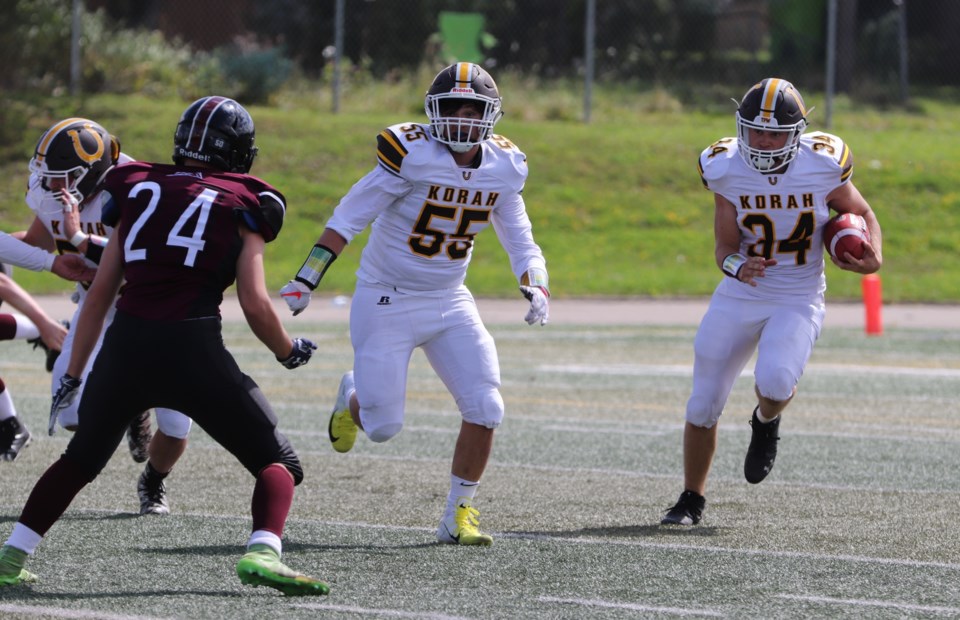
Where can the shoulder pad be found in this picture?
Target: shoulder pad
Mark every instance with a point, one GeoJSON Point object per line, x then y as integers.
{"type": "Point", "coordinates": [395, 142]}
{"type": "Point", "coordinates": [390, 151]}
{"type": "Point", "coordinates": [109, 213]}
{"type": "Point", "coordinates": [267, 218]}
{"type": "Point", "coordinates": [832, 147]}
{"type": "Point", "coordinates": [715, 160]}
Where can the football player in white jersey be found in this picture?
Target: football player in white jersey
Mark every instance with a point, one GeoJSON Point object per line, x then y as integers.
{"type": "Point", "coordinates": [70, 159]}
{"type": "Point", "coordinates": [774, 188]}
{"type": "Point", "coordinates": [434, 188]}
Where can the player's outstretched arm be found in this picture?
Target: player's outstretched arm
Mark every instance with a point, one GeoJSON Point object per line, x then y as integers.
{"type": "Point", "coordinates": [257, 308]}
{"type": "Point", "coordinates": [72, 267]}
{"type": "Point", "coordinates": [51, 332]}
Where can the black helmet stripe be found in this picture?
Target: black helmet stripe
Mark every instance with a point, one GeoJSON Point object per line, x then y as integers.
{"type": "Point", "coordinates": [202, 119]}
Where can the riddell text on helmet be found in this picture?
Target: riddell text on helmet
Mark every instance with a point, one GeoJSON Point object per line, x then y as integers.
{"type": "Point", "coordinates": [193, 155]}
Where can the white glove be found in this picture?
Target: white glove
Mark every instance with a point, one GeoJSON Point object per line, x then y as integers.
{"type": "Point", "coordinates": [297, 296]}
{"type": "Point", "coordinates": [539, 300]}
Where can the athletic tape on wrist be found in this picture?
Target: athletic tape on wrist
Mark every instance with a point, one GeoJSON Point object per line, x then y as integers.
{"type": "Point", "coordinates": [317, 263]}
{"type": "Point", "coordinates": [78, 238]}
{"type": "Point", "coordinates": [732, 264]}
{"type": "Point", "coordinates": [536, 277]}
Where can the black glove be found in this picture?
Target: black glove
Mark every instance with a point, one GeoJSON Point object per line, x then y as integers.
{"type": "Point", "coordinates": [65, 395]}
{"type": "Point", "coordinates": [302, 350]}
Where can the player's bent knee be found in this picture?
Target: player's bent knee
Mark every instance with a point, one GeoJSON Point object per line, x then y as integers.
{"type": "Point", "coordinates": [292, 463]}
{"type": "Point", "coordinates": [702, 412]}
{"type": "Point", "coordinates": [173, 423]}
{"type": "Point", "coordinates": [383, 432]}
{"type": "Point", "coordinates": [775, 383]}
{"type": "Point", "coordinates": [485, 408]}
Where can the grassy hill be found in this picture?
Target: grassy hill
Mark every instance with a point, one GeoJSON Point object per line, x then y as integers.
{"type": "Point", "coordinates": [617, 205]}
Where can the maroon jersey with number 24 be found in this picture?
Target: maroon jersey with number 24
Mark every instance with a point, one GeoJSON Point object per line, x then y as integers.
{"type": "Point", "coordinates": [178, 227]}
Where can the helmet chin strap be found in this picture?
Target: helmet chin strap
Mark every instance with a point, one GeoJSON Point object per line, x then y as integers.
{"type": "Point", "coordinates": [460, 148]}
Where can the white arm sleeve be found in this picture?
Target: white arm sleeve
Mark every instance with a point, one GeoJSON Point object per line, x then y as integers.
{"type": "Point", "coordinates": [16, 252]}
{"type": "Point", "coordinates": [513, 228]}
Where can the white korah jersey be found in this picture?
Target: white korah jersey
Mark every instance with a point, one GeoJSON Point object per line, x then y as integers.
{"type": "Point", "coordinates": [49, 211]}
{"type": "Point", "coordinates": [426, 210]}
{"type": "Point", "coordinates": [780, 216]}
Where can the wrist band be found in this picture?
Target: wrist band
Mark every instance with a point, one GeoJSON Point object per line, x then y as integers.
{"type": "Point", "coordinates": [78, 238]}
{"type": "Point", "coordinates": [315, 266]}
{"type": "Point", "coordinates": [732, 264]}
{"type": "Point", "coordinates": [536, 277]}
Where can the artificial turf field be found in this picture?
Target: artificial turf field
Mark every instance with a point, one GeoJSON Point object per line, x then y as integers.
{"type": "Point", "coordinates": [857, 519]}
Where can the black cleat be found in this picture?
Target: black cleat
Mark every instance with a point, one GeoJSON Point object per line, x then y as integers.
{"type": "Point", "coordinates": [139, 435]}
{"type": "Point", "coordinates": [763, 449]}
{"type": "Point", "coordinates": [14, 437]}
{"type": "Point", "coordinates": [687, 511]}
{"type": "Point", "coordinates": [152, 492]}
{"type": "Point", "coordinates": [51, 354]}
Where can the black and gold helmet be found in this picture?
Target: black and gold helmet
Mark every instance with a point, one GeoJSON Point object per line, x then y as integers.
{"type": "Point", "coordinates": [459, 83]}
{"type": "Point", "coordinates": [775, 105]}
{"type": "Point", "coordinates": [76, 151]}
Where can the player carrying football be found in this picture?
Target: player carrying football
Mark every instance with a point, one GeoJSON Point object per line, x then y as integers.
{"type": "Point", "coordinates": [773, 191]}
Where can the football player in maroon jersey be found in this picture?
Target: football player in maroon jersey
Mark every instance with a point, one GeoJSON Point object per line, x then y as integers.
{"type": "Point", "coordinates": [184, 233]}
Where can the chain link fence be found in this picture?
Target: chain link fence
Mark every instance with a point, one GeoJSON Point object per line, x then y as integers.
{"type": "Point", "coordinates": [880, 50]}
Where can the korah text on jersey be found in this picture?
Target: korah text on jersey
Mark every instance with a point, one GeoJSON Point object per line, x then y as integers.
{"type": "Point", "coordinates": [91, 228]}
{"type": "Point", "coordinates": [776, 201]}
{"type": "Point", "coordinates": [461, 196]}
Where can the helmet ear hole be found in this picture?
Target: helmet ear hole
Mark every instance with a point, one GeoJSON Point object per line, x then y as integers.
{"type": "Point", "coordinates": [114, 149]}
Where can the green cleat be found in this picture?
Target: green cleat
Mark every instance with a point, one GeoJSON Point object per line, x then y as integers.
{"type": "Point", "coordinates": [342, 429]}
{"type": "Point", "coordinates": [12, 572]}
{"type": "Point", "coordinates": [261, 566]}
{"type": "Point", "coordinates": [463, 528]}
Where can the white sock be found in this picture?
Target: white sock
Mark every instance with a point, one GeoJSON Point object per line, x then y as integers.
{"type": "Point", "coordinates": [7, 410]}
{"type": "Point", "coordinates": [25, 328]}
{"type": "Point", "coordinates": [765, 420]}
{"type": "Point", "coordinates": [24, 539]}
{"type": "Point", "coordinates": [460, 489]}
{"type": "Point", "coordinates": [263, 537]}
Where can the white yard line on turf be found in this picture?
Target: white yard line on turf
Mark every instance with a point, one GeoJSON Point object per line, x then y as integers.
{"type": "Point", "coordinates": [679, 370]}
{"type": "Point", "coordinates": [61, 612]}
{"type": "Point", "coordinates": [953, 611]}
{"type": "Point", "coordinates": [676, 611]}
{"type": "Point", "coordinates": [373, 611]}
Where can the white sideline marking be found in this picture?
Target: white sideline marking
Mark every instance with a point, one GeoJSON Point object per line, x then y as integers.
{"type": "Point", "coordinates": [60, 612]}
{"type": "Point", "coordinates": [677, 611]}
{"type": "Point", "coordinates": [803, 555]}
{"type": "Point", "coordinates": [677, 370]}
{"type": "Point", "coordinates": [867, 603]}
{"type": "Point", "coordinates": [372, 611]}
